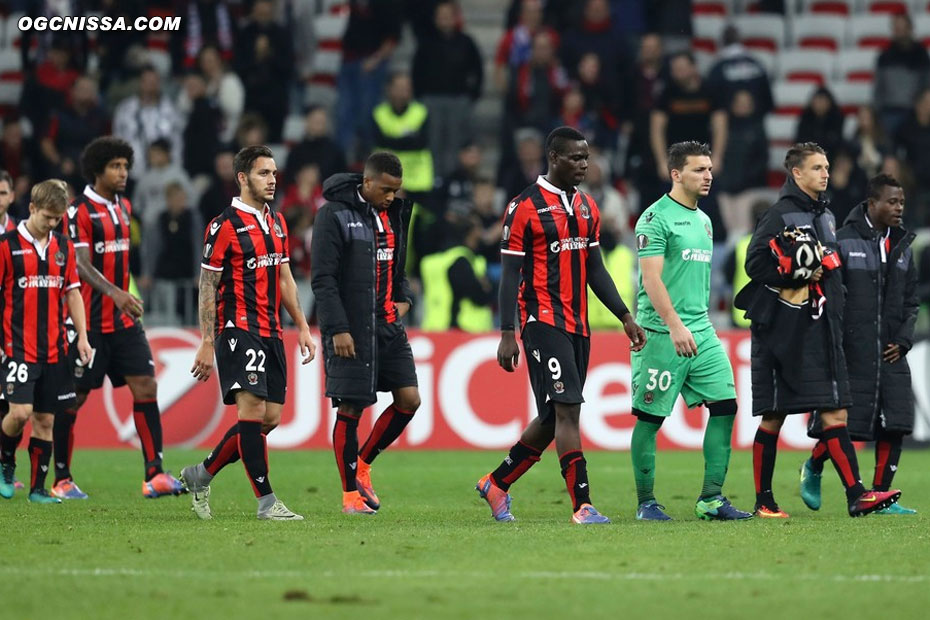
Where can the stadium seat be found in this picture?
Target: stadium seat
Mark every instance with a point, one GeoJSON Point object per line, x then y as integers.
{"type": "Point", "coordinates": [10, 92]}
{"type": "Point", "coordinates": [11, 65]}
{"type": "Point", "coordinates": [828, 7]}
{"type": "Point", "coordinates": [761, 31]}
{"type": "Point", "coordinates": [857, 65]}
{"type": "Point", "coordinates": [791, 97]}
{"type": "Point", "coordinates": [293, 131]}
{"type": "Point", "coordinates": [707, 31]}
{"type": "Point", "coordinates": [873, 31]}
{"type": "Point", "coordinates": [776, 173]}
{"type": "Point", "coordinates": [821, 32]}
{"type": "Point", "coordinates": [704, 60]}
{"type": "Point", "coordinates": [769, 60]}
{"type": "Point", "coordinates": [922, 28]}
{"type": "Point", "coordinates": [781, 129]}
{"type": "Point", "coordinates": [11, 35]}
{"type": "Point", "coordinates": [851, 95]}
{"type": "Point", "coordinates": [886, 6]}
{"type": "Point", "coordinates": [802, 65]}
{"type": "Point", "coordinates": [712, 7]}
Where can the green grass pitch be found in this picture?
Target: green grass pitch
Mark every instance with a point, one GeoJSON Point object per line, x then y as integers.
{"type": "Point", "coordinates": [433, 551]}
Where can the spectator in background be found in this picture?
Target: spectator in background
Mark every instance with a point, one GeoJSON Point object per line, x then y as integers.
{"type": "Point", "coordinates": [913, 146]}
{"type": "Point", "coordinates": [822, 122]}
{"type": "Point", "coordinates": [601, 99]}
{"type": "Point", "coordinates": [149, 197]}
{"type": "Point", "coordinates": [529, 164]}
{"type": "Point", "coordinates": [847, 184]}
{"type": "Point", "coordinates": [902, 72]}
{"type": "Point", "coordinates": [637, 104]}
{"type": "Point", "coordinates": [746, 166]}
{"type": "Point", "coordinates": [47, 86]}
{"type": "Point", "coordinates": [485, 207]}
{"type": "Point", "coordinates": [71, 129]}
{"type": "Point", "coordinates": [515, 47]}
{"type": "Point", "coordinates": [317, 147]}
{"type": "Point", "coordinates": [223, 86]}
{"type": "Point", "coordinates": [146, 117]}
{"type": "Point", "coordinates": [555, 13]}
{"type": "Point", "coordinates": [7, 196]}
{"type": "Point", "coordinates": [204, 22]}
{"type": "Point", "coordinates": [594, 35]}
{"type": "Point", "coordinates": [672, 20]}
{"type": "Point", "coordinates": [870, 141]}
{"type": "Point", "coordinates": [112, 50]}
{"type": "Point", "coordinates": [457, 189]}
{"type": "Point", "coordinates": [372, 33]}
{"type": "Point", "coordinates": [401, 125]}
{"type": "Point", "coordinates": [19, 155]}
{"type": "Point", "coordinates": [574, 113]}
{"type": "Point", "coordinates": [252, 130]}
{"type": "Point", "coordinates": [687, 109]}
{"type": "Point", "coordinates": [537, 86]}
{"type": "Point", "coordinates": [736, 70]}
{"type": "Point", "coordinates": [222, 188]}
{"type": "Point", "coordinates": [615, 212]}
{"type": "Point", "coordinates": [303, 197]}
{"type": "Point", "coordinates": [202, 126]}
{"type": "Point", "coordinates": [447, 77]}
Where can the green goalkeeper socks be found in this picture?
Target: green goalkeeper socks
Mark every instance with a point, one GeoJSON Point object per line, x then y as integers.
{"type": "Point", "coordinates": [716, 453]}
{"type": "Point", "coordinates": [643, 452]}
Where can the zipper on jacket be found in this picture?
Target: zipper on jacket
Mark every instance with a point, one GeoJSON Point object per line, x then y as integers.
{"type": "Point", "coordinates": [374, 301]}
{"type": "Point", "coordinates": [878, 322]}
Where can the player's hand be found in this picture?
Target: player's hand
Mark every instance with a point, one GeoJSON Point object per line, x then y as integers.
{"type": "Point", "coordinates": [344, 345]}
{"type": "Point", "coordinates": [634, 332]}
{"type": "Point", "coordinates": [85, 352]}
{"type": "Point", "coordinates": [683, 340]}
{"type": "Point", "coordinates": [307, 348]}
{"type": "Point", "coordinates": [403, 308]}
{"type": "Point", "coordinates": [892, 353]}
{"type": "Point", "coordinates": [203, 361]}
{"type": "Point", "coordinates": [817, 275]}
{"type": "Point", "coordinates": [508, 352]}
{"type": "Point", "coordinates": [130, 304]}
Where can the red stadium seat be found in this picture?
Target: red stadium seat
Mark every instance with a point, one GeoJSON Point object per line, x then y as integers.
{"type": "Point", "coordinates": [707, 30]}
{"type": "Point", "coordinates": [762, 31]}
{"type": "Point", "coordinates": [856, 65]}
{"type": "Point", "coordinates": [791, 97]}
{"type": "Point", "coordinates": [712, 7]}
{"type": "Point", "coordinates": [851, 96]}
{"type": "Point", "coordinates": [891, 7]}
{"type": "Point", "coordinates": [781, 129]}
{"type": "Point", "coordinates": [818, 32]}
{"type": "Point", "coordinates": [829, 7]}
{"type": "Point", "coordinates": [873, 31]}
{"type": "Point", "coordinates": [801, 65]}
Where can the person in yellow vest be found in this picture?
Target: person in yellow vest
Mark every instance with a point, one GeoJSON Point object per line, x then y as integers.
{"type": "Point", "coordinates": [621, 265]}
{"type": "Point", "coordinates": [735, 267]}
{"type": "Point", "coordinates": [401, 126]}
{"type": "Point", "coordinates": [456, 290]}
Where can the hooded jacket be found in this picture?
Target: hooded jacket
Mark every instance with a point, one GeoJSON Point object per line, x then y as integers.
{"type": "Point", "coordinates": [881, 309]}
{"type": "Point", "coordinates": [797, 360]}
{"type": "Point", "coordinates": [343, 258]}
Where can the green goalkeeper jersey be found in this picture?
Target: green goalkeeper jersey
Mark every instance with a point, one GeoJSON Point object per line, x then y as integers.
{"type": "Point", "coordinates": [685, 238]}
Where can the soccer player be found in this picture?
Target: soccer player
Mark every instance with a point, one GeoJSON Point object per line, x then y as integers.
{"type": "Point", "coordinates": [796, 309]}
{"type": "Point", "coordinates": [675, 242]}
{"type": "Point", "coordinates": [98, 223]}
{"type": "Point", "coordinates": [245, 277]}
{"type": "Point", "coordinates": [878, 324]}
{"type": "Point", "coordinates": [551, 238]}
{"type": "Point", "coordinates": [357, 262]}
{"type": "Point", "coordinates": [38, 277]}
{"type": "Point", "coordinates": [7, 195]}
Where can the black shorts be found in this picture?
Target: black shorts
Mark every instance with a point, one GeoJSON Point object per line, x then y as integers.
{"type": "Point", "coordinates": [120, 354]}
{"type": "Point", "coordinates": [248, 362]}
{"type": "Point", "coordinates": [49, 388]}
{"type": "Point", "coordinates": [558, 365]}
{"type": "Point", "coordinates": [394, 367]}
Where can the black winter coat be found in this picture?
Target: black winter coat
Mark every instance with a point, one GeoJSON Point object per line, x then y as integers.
{"type": "Point", "coordinates": [881, 309]}
{"type": "Point", "coordinates": [797, 361]}
{"type": "Point", "coordinates": [342, 267]}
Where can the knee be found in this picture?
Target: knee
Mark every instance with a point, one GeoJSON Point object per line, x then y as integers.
{"type": "Point", "coordinates": [79, 400]}
{"type": "Point", "coordinates": [42, 423]}
{"type": "Point", "coordinates": [567, 414]}
{"type": "Point", "coordinates": [19, 415]}
{"type": "Point", "coordinates": [833, 418]}
{"type": "Point", "coordinates": [409, 404]}
{"type": "Point", "coordinates": [772, 423]}
{"type": "Point", "coordinates": [267, 427]}
{"type": "Point", "coordinates": [722, 408]}
{"type": "Point", "coordinates": [349, 410]}
{"type": "Point", "coordinates": [145, 388]}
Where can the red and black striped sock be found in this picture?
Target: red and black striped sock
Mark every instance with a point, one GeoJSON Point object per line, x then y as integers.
{"type": "Point", "coordinates": [819, 456]}
{"type": "Point", "coordinates": [148, 425]}
{"type": "Point", "coordinates": [254, 451]}
{"type": "Point", "coordinates": [843, 454]}
{"type": "Point", "coordinates": [63, 443]}
{"type": "Point", "coordinates": [764, 451]}
{"type": "Point", "coordinates": [391, 423]}
{"type": "Point", "coordinates": [517, 463]}
{"type": "Point", "coordinates": [40, 455]}
{"type": "Point", "coordinates": [225, 452]}
{"type": "Point", "coordinates": [887, 455]}
{"type": "Point", "coordinates": [575, 472]}
{"type": "Point", "coordinates": [8, 446]}
{"type": "Point", "coordinates": [345, 446]}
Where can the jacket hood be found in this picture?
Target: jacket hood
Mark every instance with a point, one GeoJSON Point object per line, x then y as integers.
{"type": "Point", "coordinates": [857, 220]}
{"type": "Point", "coordinates": [342, 187]}
{"type": "Point", "coordinates": [791, 191]}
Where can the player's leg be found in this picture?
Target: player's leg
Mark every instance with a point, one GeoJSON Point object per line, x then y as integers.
{"type": "Point", "coordinates": [147, 418]}
{"type": "Point", "coordinates": [811, 474]}
{"type": "Point", "coordinates": [40, 456]}
{"type": "Point", "coordinates": [5, 409]}
{"type": "Point", "coordinates": [345, 448]}
{"type": "Point", "coordinates": [278, 511]}
{"type": "Point", "coordinates": [63, 448]}
{"type": "Point", "coordinates": [573, 464]}
{"type": "Point", "coordinates": [11, 434]}
{"type": "Point", "coordinates": [764, 451]}
{"type": "Point", "coordinates": [887, 456]}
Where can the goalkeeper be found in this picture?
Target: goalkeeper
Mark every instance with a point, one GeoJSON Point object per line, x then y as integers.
{"type": "Point", "coordinates": [795, 302]}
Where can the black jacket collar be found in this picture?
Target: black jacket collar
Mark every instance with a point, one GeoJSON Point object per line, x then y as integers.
{"type": "Point", "coordinates": [856, 219]}
{"type": "Point", "coordinates": [343, 187]}
{"type": "Point", "coordinates": [792, 192]}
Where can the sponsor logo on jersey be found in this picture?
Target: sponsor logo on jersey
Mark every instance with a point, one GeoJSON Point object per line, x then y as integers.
{"type": "Point", "coordinates": [857, 255]}
{"type": "Point", "coordinates": [385, 254]}
{"type": "Point", "coordinates": [547, 209]}
{"type": "Point", "coordinates": [506, 233]}
{"type": "Point", "coordinates": [649, 215]}
{"type": "Point", "coordinates": [642, 241]}
{"type": "Point", "coordinates": [215, 226]}
{"type": "Point", "coordinates": [685, 223]}
{"type": "Point", "coordinates": [697, 256]}
{"type": "Point", "coordinates": [355, 225]}
{"type": "Point", "coordinates": [512, 207]}
{"type": "Point", "coordinates": [41, 282]}
{"type": "Point", "coordinates": [245, 228]}
{"type": "Point", "coordinates": [108, 247]}
{"type": "Point", "coordinates": [21, 252]}
{"type": "Point", "coordinates": [264, 260]}
{"type": "Point", "coordinates": [571, 243]}
{"type": "Point", "coordinates": [208, 250]}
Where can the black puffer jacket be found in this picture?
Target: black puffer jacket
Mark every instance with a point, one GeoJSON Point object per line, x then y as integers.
{"type": "Point", "coordinates": [797, 361]}
{"type": "Point", "coordinates": [881, 308]}
{"type": "Point", "coordinates": [342, 266]}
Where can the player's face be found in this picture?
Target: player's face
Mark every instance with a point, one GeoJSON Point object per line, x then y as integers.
{"type": "Point", "coordinates": [380, 190]}
{"type": "Point", "coordinates": [813, 173]}
{"type": "Point", "coordinates": [43, 220]}
{"type": "Point", "coordinates": [114, 176]}
{"type": "Point", "coordinates": [888, 210]}
{"type": "Point", "coordinates": [6, 196]}
{"type": "Point", "coordinates": [262, 180]}
{"type": "Point", "coordinates": [696, 175]}
{"type": "Point", "coordinates": [571, 165]}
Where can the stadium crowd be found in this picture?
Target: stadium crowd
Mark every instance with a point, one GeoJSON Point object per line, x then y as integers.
{"type": "Point", "coordinates": [621, 71]}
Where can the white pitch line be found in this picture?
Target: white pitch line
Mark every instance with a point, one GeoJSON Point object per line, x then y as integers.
{"type": "Point", "coordinates": [415, 574]}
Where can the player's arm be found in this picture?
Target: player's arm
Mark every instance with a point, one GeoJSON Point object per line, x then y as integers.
{"type": "Point", "coordinates": [203, 361]}
{"type": "Point", "coordinates": [508, 351]}
{"type": "Point", "coordinates": [326, 250]}
{"type": "Point", "coordinates": [606, 290]}
{"type": "Point", "coordinates": [719, 132]}
{"type": "Point", "coordinates": [761, 265]}
{"type": "Point", "coordinates": [126, 302]}
{"type": "Point", "coordinates": [291, 302]}
{"type": "Point", "coordinates": [403, 294]}
{"type": "Point", "coordinates": [76, 312]}
{"type": "Point", "coordinates": [651, 269]}
{"type": "Point", "coordinates": [903, 339]}
{"type": "Point", "coordinates": [658, 122]}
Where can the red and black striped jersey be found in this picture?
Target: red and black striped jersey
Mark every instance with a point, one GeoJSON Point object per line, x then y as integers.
{"type": "Point", "coordinates": [103, 228]}
{"type": "Point", "coordinates": [552, 232]}
{"type": "Point", "coordinates": [7, 224]}
{"type": "Point", "coordinates": [384, 269]}
{"type": "Point", "coordinates": [248, 248]}
{"type": "Point", "coordinates": [33, 283]}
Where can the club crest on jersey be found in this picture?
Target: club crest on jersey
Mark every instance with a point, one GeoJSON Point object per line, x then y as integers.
{"type": "Point", "coordinates": [648, 398]}
{"type": "Point", "coordinates": [642, 241]}
{"type": "Point", "coordinates": [585, 212]}
{"type": "Point", "coordinates": [558, 387]}
{"type": "Point", "coordinates": [278, 231]}
{"type": "Point", "coordinates": [60, 259]}
{"type": "Point", "coordinates": [710, 233]}
{"type": "Point", "coordinates": [252, 378]}
{"type": "Point", "coordinates": [9, 388]}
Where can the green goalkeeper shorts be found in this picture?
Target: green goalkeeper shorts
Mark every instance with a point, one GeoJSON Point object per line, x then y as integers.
{"type": "Point", "coordinates": [659, 375]}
